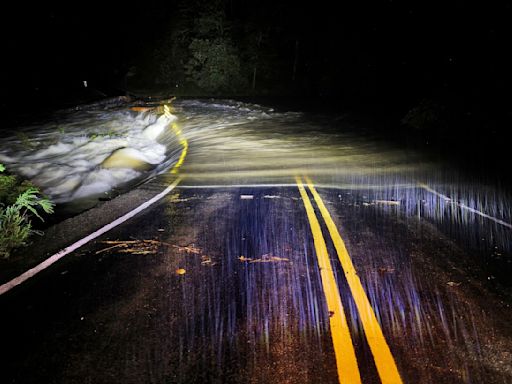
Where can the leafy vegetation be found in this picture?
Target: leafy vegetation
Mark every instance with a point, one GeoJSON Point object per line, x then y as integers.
{"type": "Point", "coordinates": [214, 65]}
{"type": "Point", "coordinates": [218, 48]}
{"type": "Point", "coordinates": [25, 140]}
{"type": "Point", "coordinates": [19, 202]}
{"type": "Point", "coordinates": [111, 133]}
{"type": "Point", "coordinates": [427, 115]}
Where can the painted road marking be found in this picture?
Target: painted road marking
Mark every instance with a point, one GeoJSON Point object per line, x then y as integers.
{"type": "Point", "coordinates": [346, 362]}
{"type": "Point", "coordinates": [464, 206]}
{"type": "Point", "coordinates": [384, 360]}
{"type": "Point", "coordinates": [184, 143]}
{"type": "Point", "coordinates": [59, 255]}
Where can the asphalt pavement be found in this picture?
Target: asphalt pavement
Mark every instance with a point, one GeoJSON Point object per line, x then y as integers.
{"type": "Point", "coordinates": [225, 285]}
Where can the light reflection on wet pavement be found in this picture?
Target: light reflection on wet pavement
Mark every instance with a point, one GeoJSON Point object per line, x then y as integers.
{"type": "Point", "coordinates": [249, 306]}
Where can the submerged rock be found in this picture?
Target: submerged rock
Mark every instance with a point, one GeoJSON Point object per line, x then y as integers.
{"type": "Point", "coordinates": [127, 158]}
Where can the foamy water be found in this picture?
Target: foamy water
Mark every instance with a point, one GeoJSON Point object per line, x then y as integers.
{"type": "Point", "coordinates": [66, 157]}
{"type": "Point", "coordinates": [83, 154]}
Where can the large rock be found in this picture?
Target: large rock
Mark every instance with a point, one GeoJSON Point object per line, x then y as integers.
{"type": "Point", "coordinates": [127, 158]}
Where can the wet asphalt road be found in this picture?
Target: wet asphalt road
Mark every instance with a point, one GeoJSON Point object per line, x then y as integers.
{"type": "Point", "coordinates": [237, 276]}
{"type": "Point", "coordinates": [223, 285]}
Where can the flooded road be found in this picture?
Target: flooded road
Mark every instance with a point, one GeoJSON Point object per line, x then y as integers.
{"type": "Point", "coordinates": [237, 275]}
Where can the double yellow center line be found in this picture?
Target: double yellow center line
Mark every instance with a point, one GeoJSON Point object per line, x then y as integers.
{"type": "Point", "coordinates": [348, 371]}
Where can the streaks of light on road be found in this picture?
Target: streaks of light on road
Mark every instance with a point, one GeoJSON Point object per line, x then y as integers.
{"type": "Point", "coordinates": [384, 360]}
{"type": "Point", "coordinates": [464, 206]}
{"type": "Point", "coordinates": [348, 371]}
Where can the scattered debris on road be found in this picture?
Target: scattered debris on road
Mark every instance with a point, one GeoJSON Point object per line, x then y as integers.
{"type": "Point", "coordinates": [384, 270]}
{"type": "Point", "coordinates": [134, 247]}
{"type": "Point", "coordinates": [175, 198]}
{"type": "Point", "coordinates": [387, 202]}
{"type": "Point", "coordinates": [207, 260]}
{"type": "Point", "coordinates": [266, 258]}
{"type": "Point", "coordinates": [188, 249]}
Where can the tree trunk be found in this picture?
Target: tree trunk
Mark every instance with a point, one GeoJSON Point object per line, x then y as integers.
{"type": "Point", "coordinates": [255, 69]}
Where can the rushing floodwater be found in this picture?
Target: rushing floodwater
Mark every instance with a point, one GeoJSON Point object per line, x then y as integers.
{"type": "Point", "coordinates": [78, 155]}
{"type": "Point", "coordinates": [85, 154]}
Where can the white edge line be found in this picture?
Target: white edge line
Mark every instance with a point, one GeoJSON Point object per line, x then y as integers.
{"type": "Point", "coordinates": [59, 255]}
{"type": "Point", "coordinates": [277, 185]}
{"type": "Point", "coordinates": [376, 187]}
{"type": "Point", "coordinates": [463, 206]}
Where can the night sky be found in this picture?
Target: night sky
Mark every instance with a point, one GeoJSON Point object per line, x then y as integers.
{"type": "Point", "coordinates": [387, 53]}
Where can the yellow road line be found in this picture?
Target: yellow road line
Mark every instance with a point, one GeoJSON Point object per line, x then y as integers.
{"type": "Point", "coordinates": [348, 371]}
{"type": "Point", "coordinates": [384, 360]}
{"type": "Point", "coordinates": [183, 141]}
{"type": "Point", "coordinates": [184, 144]}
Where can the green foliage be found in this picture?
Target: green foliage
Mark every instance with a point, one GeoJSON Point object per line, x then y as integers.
{"type": "Point", "coordinates": [213, 61]}
{"type": "Point", "coordinates": [18, 203]}
{"type": "Point", "coordinates": [169, 56]}
{"type": "Point", "coordinates": [198, 52]}
{"type": "Point", "coordinates": [11, 188]}
{"type": "Point", "coordinates": [214, 65]}
{"type": "Point", "coordinates": [172, 49]}
{"type": "Point", "coordinates": [25, 140]}
{"type": "Point", "coordinates": [211, 23]}
{"type": "Point", "coordinates": [224, 46]}
{"type": "Point", "coordinates": [14, 230]}
{"type": "Point", "coordinates": [30, 199]}
{"type": "Point", "coordinates": [111, 133]}
{"type": "Point", "coordinates": [8, 186]}
{"type": "Point", "coordinates": [427, 115]}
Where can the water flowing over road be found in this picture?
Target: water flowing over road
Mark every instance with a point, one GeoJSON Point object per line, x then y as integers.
{"type": "Point", "coordinates": [291, 248]}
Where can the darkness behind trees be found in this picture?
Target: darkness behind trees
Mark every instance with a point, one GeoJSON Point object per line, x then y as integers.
{"type": "Point", "coordinates": [430, 64]}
